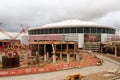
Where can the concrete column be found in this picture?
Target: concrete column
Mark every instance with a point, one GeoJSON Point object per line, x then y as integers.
{"type": "Point", "coordinates": [54, 58]}
{"type": "Point", "coordinates": [38, 47]}
{"type": "Point", "coordinates": [77, 57]}
{"type": "Point", "coordinates": [47, 55]}
{"type": "Point", "coordinates": [115, 51]}
{"type": "Point", "coordinates": [0, 57]}
{"type": "Point", "coordinates": [44, 48]}
{"type": "Point", "coordinates": [36, 53]}
{"type": "Point", "coordinates": [53, 48]}
{"type": "Point", "coordinates": [68, 57]}
{"type": "Point", "coordinates": [60, 56]}
{"type": "Point", "coordinates": [45, 58]}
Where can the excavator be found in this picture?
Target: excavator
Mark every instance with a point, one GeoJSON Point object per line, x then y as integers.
{"type": "Point", "coordinates": [74, 77]}
{"type": "Point", "coordinates": [116, 73]}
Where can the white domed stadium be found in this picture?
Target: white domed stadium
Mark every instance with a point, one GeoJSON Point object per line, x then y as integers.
{"type": "Point", "coordinates": [74, 30]}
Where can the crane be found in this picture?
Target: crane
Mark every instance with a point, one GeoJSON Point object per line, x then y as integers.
{"type": "Point", "coordinates": [10, 36]}
{"type": "Point", "coordinates": [22, 31]}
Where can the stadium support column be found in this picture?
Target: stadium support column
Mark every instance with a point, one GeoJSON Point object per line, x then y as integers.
{"type": "Point", "coordinates": [61, 53]}
{"type": "Point", "coordinates": [54, 56]}
{"type": "Point", "coordinates": [76, 52]}
{"type": "Point", "coordinates": [45, 59]}
{"type": "Point", "coordinates": [77, 57]}
{"type": "Point", "coordinates": [45, 56]}
{"type": "Point", "coordinates": [115, 51]}
{"type": "Point", "coordinates": [68, 55]}
{"type": "Point", "coordinates": [38, 47]}
{"type": "Point", "coordinates": [0, 56]}
{"type": "Point", "coordinates": [61, 56]}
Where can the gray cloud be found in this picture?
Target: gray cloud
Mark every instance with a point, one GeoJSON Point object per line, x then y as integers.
{"type": "Point", "coordinates": [39, 12]}
{"type": "Point", "coordinates": [111, 18]}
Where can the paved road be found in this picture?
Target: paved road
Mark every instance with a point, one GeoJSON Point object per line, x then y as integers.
{"type": "Point", "coordinates": [60, 75]}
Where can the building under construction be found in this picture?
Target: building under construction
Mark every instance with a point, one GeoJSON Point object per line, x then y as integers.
{"type": "Point", "coordinates": [111, 48]}
{"type": "Point", "coordinates": [54, 47]}
{"type": "Point", "coordinates": [8, 43]}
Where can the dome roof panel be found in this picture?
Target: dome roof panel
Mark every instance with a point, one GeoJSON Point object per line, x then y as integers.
{"type": "Point", "coordinates": [72, 23]}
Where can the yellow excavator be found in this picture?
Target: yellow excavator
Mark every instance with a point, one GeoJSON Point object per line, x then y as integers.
{"type": "Point", "coordinates": [74, 77]}
{"type": "Point", "coordinates": [117, 72]}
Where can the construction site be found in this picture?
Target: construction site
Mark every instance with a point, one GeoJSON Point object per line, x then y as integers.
{"type": "Point", "coordinates": [54, 53]}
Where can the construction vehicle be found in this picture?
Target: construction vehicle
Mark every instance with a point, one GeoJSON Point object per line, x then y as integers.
{"type": "Point", "coordinates": [74, 77]}
{"type": "Point", "coordinates": [117, 72]}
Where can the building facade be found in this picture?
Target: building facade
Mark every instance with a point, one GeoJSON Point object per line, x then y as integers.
{"type": "Point", "coordinates": [73, 30]}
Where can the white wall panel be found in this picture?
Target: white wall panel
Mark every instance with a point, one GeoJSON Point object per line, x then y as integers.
{"type": "Point", "coordinates": [81, 40]}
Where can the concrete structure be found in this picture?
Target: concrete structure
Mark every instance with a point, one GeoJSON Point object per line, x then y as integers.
{"type": "Point", "coordinates": [56, 49]}
{"type": "Point", "coordinates": [112, 47]}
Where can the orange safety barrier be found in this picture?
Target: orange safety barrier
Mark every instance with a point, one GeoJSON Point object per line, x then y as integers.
{"type": "Point", "coordinates": [47, 69]}
{"type": "Point", "coordinates": [34, 70]}
{"type": "Point", "coordinates": [40, 69]}
{"type": "Point", "coordinates": [60, 66]}
{"type": "Point", "coordinates": [52, 69]}
{"type": "Point", "coordinates": [12, 73]}
{"type": "Point", "coordinates": [70, 66]}
{"type": "Point", "coordinates": [3, 73]}
{"type": "Point", "coordinates": [21, 71]}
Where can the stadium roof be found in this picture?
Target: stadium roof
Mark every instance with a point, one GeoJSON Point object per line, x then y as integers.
{"type": "Point", "coordinates": [72, 23]}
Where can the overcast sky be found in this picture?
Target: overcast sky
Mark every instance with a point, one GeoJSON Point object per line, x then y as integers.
{"type": "Point", "coordinates": [34, 13]}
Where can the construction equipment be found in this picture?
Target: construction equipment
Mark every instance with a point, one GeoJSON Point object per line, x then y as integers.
{"type": "Point", "coordinates": [117, 72]}
{"type": "Point", "coordinates": [114, 74]}
{"type": "Point", "coordinates": [14, 38]}
{"type": "Point", "coordinates": [74, 77]}
{"type": "Point", "coordinates": [22, 31]}
{"type": "Point", "coordinates": [10, 36]}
